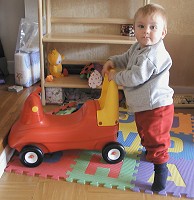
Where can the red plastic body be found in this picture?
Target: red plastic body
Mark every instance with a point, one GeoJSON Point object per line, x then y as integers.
{"type": "Point", "coordinates": [52, 133]}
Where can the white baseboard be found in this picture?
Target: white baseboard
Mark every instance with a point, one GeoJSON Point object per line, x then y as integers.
{"type": "Point", "coordinates": [5, 157]}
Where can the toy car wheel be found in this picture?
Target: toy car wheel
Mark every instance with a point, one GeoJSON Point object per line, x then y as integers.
{"type": "Point", "coordinates": [31, 156]}
{"type": "Point", "coordinates": [113, 153]}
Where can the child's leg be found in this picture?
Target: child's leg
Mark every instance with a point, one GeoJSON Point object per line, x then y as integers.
{"type": "Point", "coordinates": [154, 127]}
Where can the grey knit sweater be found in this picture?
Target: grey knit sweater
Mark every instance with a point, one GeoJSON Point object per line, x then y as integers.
{"type": "Point", "coordinates": [144, 75]}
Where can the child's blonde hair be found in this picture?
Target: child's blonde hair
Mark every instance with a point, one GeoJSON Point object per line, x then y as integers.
{"type": "Point", "coordinates": [152, 9]}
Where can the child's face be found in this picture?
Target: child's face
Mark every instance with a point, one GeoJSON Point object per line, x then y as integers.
{"type": "Point", "coordinates": [149, 29]}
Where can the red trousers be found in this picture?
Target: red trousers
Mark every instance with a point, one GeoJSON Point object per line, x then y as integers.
{"type": "Point", "coordinates": [154, 130]}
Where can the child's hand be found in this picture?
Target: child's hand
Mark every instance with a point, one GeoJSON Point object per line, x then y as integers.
{"type": "Point", "coordinates": [107, 67]}
{"type": "Point", "coordinates": [111, 74]}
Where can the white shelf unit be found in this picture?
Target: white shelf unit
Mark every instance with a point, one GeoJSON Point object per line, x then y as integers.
{"type": "Point", "coordinates": [83, 25]}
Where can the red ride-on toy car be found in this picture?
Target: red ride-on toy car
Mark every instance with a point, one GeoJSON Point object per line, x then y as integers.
{"type": "Point", "coordinates": [92, 127]}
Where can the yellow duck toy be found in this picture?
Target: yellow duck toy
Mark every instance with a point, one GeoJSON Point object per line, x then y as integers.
{"type": "Point", "coordinates": [55, 66]}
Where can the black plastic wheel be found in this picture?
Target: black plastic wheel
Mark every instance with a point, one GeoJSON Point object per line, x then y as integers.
{"type": "Point", "coordinates": [31, 156]}
{"type": "Point", "coordinates": [113, 153]}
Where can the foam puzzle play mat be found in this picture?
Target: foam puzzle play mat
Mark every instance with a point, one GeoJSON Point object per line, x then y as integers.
{"type": "Point", "coordinates": [134, 173]}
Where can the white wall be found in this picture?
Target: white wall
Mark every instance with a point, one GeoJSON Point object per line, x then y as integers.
{"type": "Point", "coordinates": [11, 11]}
{"type": "Point", "coordinates": [180, 40]}
{"type": "Point", "coordinates": [31, 9]}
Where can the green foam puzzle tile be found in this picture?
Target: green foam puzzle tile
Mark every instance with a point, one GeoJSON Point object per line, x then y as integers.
{"type": "Point", "coordinates": [100, 173]}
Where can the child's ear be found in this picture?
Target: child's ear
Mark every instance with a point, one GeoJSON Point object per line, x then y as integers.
{"type": "Point", "coordinates": [164, 32]}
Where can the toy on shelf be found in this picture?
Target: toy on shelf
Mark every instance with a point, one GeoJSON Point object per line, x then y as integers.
{"type": "Point", "coordinates": [127, 30]}
{"type": "Point", "coordinates": [55, 66]}
{"type": "Point", "coordinates": [93, 73]}
{"type": "Point", "coordinates": [49, 78]}
{"type": "Point", "coordinates": [94, 126]}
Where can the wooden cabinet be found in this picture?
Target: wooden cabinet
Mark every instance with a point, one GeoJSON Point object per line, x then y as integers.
{"type": "Point", "coordinates": [84, 31]}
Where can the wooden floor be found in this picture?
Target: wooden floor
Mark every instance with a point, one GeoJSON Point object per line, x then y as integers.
{"type": "Point", "coordinates": [10, 107]}
{"type": "Point", "coordinates": [23, 187]}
